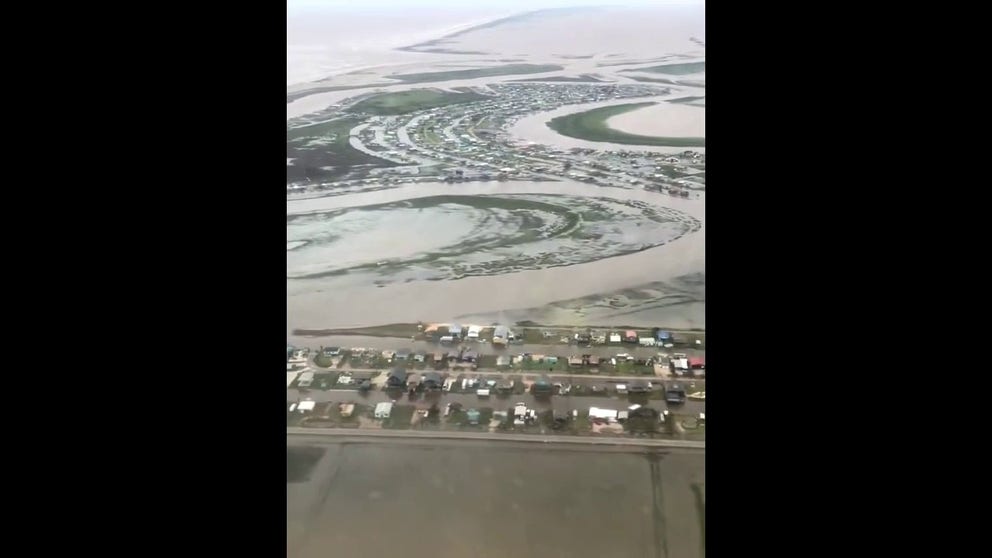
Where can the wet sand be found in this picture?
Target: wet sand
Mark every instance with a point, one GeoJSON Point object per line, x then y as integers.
{"type": "Point", "coordinates": [454, 499]}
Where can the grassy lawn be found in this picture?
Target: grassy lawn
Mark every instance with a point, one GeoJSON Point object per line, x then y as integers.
{"type": "Point", "coordinates": [399, 418]}
{"type": "Point", "coordinates": [403, 102]}
{"type": "Point", "coordinates": [324, 361]}
{"type": "Point", "coordinates": [673, 69]}
{"type": "Point", "coordinates": [324, 380]}
{"type": "Point", "coordinates": [323, 152]}
{"type": "Point", "coordinates": [506, 70]}
{"type": "Point", "coordinates": [591, 126]}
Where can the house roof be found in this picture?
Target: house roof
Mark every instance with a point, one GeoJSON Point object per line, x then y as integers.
{"type": "Point", "coordinates": [631, 333]}
{"type": "Point", "coordinates": [663, 335]}
{"type": "Point", "coordinates": [432, 376]}
{"type": "Point", "coordinates": [696, 361]}
{"type": "Point", "coordinates": [398, 373]}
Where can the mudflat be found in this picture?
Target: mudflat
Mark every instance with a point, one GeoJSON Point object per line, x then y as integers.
{"type": "Point", "coordinates": [462, 498]}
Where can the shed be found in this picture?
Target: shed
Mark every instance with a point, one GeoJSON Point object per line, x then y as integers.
{"type": "Point", "coordinates": [383, 410]}
{"type": "Point", "coordinates": [306, 405]}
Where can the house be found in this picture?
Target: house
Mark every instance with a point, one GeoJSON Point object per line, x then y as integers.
{"type": "Point", "coordinates": [440, 356]}
{"type": "Point", "coordinates": [575, 361]}
{"type": "Point", "coordinates": [541, 386]}
{"type": "Point", "coordinates": [602, 414]}
{"type": "Point", "coordinates": [501, 335]}
{"type": "Point", "coordinates": [674, 394]}
{"type": "Point", "coordinates": [474, 332]}
{"type": "Point", "coordinates": [663, 337]}
{"type": "Point", "coordinates": [614, 338]}
{"type": "Point", "coordinates": [307, 405]}
{"type": "Point", "coordinates": [413, 381]}
{"type": "Point", "coordinates": [697, 363]}
{"type": "Point", "coordinates": [419, 356]}
{"type": "Point", "coordinates": [396, 378]}
{"type": "Point", "coordinates": [551, 359]}
{"type": "Point", "coordinates": [454, 331]}
{"type": "Point", "coordinates": [502, 361]}
{"type": "Point", "coordinates": [402, 354]}
{"type": "Point", "coordinates": [432, 381]}
{"type": "Point", "coordinates": [583, 338]}
{"type": "Point", "coordinates": [505, 386]}
{"type": "Point", "coordinates": [383, 410]}
{"type": "Point", "coordinates": [639, 386]}
{"type": "Point", "coordinates": [470, 356]}
{"type": "Point", "coordinates": [681, 364]}
{"type": "Point", "coordinates": [630, 336]}
{"type": "Point", "coordinates": [593, 360]}
{"type": "Point", "coordinates": [346, 409]}
{"type": "Point", "coordinates": [473, 416]}
{"type": "Point", "coordinates": [647, 341]}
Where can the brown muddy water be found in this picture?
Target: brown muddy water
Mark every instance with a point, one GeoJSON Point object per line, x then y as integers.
{"type": "Point", "coordinates": [463, 498]}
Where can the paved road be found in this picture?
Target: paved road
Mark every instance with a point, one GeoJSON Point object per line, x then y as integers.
{"type": "Point", "coordinates": [305, 434]}
{"type": "Point", "coordinates": [468, 401]}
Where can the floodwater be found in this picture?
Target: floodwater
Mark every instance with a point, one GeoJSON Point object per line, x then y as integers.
{"type": "Point", "coordinates": [462, 498]}
{"type": "Point", "coordinates": [370, 298]}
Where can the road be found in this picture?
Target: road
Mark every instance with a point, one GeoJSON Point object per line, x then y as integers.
{"type": "Point", "coordinates": [309, 434]}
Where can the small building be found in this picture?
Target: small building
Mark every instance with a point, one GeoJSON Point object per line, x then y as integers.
{"type": "Point", "coordinates": [396, 378]}
{"type": "Point", "coordinates": [440, 356]}
{"type": "Point", "coordinates": [306, 406]}
{"type": "Point", "coordinates": [541, 386]}
{"type": "Point", "coordinates": [454, 331]}
{"type": "Point", "coordinates": [502, 361]}
{"type": "Point", "coordinates": [474, 332]}
{"type": "Point", "coordinates": [432, 381]}
{"type": "Point", "coordinates": [482, 392]}
{"type": "Point", "coordinates": [663, 337]}
{"type": "Point", "coordinates": [470, 356]}
{"type": "Point", "coordinates": [413, 381]}
{"type": "Point", "coordinates": [602, 414]}
{"type": "Point", "coordinates": [473, 416]}
{"type": "Point", "coordinates": [419, 356]}
{"type": "Point", "coordinates": [346, 409]}
{"type": "Point", "coordinates": [402, 354]}
{"type": "Point", "coordinates": [505, 386]}
{"type": "Point", "coordinates": [551, 359]}
{"type": "Point", "coordinates": [383, 410]}
{"type": "Point", "coordinates": [593, 360]}
{"type": "Point", "coordinates": [697, 363]}
{"type": "Point", "coordinates": [501, 335]}
{"type": "Point", "coordinates": [630, 336]}
{"type": "Point", "coordinates": [638, 386]}
{"type": "Point", "coordinates": [647, 342]}
{"type": "Point", "coordinates": [615, 338]}
{"type": "Point", "coordinates": [575, 361]}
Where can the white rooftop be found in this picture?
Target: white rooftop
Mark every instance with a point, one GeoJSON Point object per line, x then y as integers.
{"type": "Point", "coordinates": [306, 405]}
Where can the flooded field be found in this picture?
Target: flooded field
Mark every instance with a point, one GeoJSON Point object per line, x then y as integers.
{"type": "Point", "coordinates": [536, 250]}
{"type": "Point", "coordinates": [463, 498]}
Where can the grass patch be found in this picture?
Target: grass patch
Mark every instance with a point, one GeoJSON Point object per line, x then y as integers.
{"type": "Point", "coordinates": [673, 69]}
{"type": "Point", "coordinates": [591, 126]}
{"type": "Point", "coordinates": [323, 152]}
{"type": "Point", "coordinates": [686, 99]}
{"type": "Point", "coordinates": [506, 70]}
{"type": "Point", "coordinates": [403, 102]}
{"type": "Point", "coordinates": [400, 417]}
